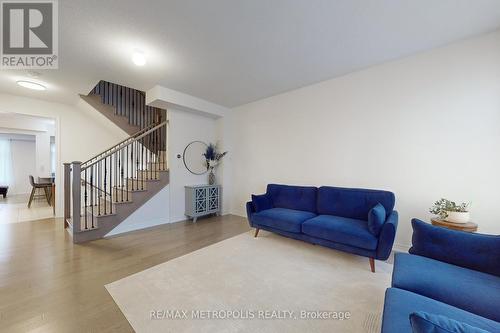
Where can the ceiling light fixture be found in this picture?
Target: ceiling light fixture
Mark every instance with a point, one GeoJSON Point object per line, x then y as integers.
{"type": "Point", "coordinates": [31, 85]}
{"type": "Point", "coordinates": [138, 58]}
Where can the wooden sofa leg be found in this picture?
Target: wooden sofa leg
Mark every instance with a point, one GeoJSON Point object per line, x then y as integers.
{"type": "Point", "coordinates": [372, 265]}
{"type": "Point", "coordinates": [256, 232]}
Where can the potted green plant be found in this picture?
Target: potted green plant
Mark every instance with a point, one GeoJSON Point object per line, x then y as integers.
{"type": "Point", "coordinates": [451, 212]}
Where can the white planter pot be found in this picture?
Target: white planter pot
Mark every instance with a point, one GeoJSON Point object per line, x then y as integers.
{"type": "Point", "coordinates": [458, 217]}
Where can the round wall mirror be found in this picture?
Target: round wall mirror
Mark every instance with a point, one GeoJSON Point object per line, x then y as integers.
{"type": "Point", "coordinates": [194, 159]}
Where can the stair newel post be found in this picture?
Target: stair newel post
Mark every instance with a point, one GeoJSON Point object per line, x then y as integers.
{"type": "Point", "coordinates": [67, 193]}
{"type": "Point", "coordinates": [76, 200]}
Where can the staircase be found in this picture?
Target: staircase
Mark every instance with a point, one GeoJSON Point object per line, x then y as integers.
{"type": "Point", "coordinates": [103, 191]}
{"type": "Point", "coordinates": [124, 106]}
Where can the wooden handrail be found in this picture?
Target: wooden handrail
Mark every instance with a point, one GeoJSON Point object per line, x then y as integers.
{"type": "Point", "coordinates": [120, 143]}
{"type": "Point", "coordinates": [116, 172]}
{"type": "Point", "coordinates": [129, 143]}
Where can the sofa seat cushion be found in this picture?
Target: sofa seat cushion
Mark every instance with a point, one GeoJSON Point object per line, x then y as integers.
{"type": "Point", "coordinates": [282, 218]}
{"type": "Point", "coordinates": [467, 289]}
{"type": "Point", "coordinates": [341, 230]}
{"type": "Point", "coordinates": [399, 304]}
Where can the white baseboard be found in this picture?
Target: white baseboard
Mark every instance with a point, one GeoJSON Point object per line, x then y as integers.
{"type": "Point", "coordinates": [237, 213]}
{"type": "Point", "coordinates": [174, 219]}
{"type": "Point", "coordinates": [185, 218]}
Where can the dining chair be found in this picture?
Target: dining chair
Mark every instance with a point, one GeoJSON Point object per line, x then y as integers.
{"type": "Point", "coordinates": [46, 188]}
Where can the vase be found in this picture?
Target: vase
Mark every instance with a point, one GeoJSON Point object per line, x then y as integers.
{"type": "Point", "coordinates": [211, 178]}
{"type": "Point", "coordinates": [457, 217]}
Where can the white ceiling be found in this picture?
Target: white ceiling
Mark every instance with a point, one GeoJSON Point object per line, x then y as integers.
{"type": "Point", "coordinates": [232, 52]}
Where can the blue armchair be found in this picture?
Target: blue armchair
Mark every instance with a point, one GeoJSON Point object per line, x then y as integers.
{"type": "Point", "coordinates": [358, 221]}
{"type": "Point", "coordinates": [450, 275]}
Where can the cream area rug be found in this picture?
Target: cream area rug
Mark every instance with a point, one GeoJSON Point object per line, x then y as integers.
{"type": "Point", "coordinates": [265, 284]}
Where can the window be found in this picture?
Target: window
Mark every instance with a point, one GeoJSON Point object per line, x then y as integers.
{"type": "Point", "coordinates": [5, 162]}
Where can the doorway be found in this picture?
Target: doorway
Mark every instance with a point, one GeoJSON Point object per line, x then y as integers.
{"type": "Point", "coordinates": [28, 156]}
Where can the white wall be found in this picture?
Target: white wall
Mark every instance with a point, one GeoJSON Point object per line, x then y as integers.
{"type": "Point", "coordinates": [185, 127]}
{"type": "Point", "coordinates": [43, 155]}
{"type": "Point", "coordinates": [425, 127]}
{"type": "Point", "coordinates": [224, 171]}
{"type": "Point", "coordinates": [80, 132]}
{"type": "Point", "coordinates": [152, 213]}
{"type": "Point", "coordinates": [168, 205]}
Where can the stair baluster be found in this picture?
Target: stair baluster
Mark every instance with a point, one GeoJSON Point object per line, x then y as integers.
{"type": "Point", "coordinates": [110, 178]}
{"type": "Point", "coordinates": [127, 102]}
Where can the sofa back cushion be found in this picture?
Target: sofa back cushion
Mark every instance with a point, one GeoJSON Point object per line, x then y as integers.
{"type": "Point", "coordinates": [474, 251]}
{"type": "Point", "coordinates": [293, 197]}
{"type": "Point", "coordinates": [352, 202]}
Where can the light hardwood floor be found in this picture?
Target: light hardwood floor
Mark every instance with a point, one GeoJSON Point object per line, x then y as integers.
{"type": "Point", "coordinates": [48, 284]}
{"type": "Point", "coordinates": [14, 209]}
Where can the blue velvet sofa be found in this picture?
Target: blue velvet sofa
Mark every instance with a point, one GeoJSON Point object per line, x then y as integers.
{"type": "Point", "coordinates": [358, 221]}
{"type": "Point", "coordinates": [449, 282]}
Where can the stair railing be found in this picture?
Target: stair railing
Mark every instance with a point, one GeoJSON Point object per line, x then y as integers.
{"type": "Point", "coordinates": [129, 103]}
{"type": "Point", "coordinates": [118, 145]}
{"type": "Point", "coordinates": [91, 188]}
